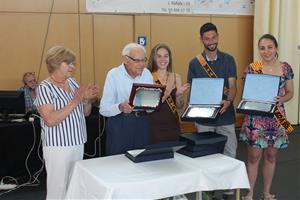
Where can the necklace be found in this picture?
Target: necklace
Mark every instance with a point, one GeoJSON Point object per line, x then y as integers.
{"type": "Point", "coordinates": [60, 84]}
{"type": "Point", "coordinates": [269, 68]}
{"type": "Point", "coordinates": [57, 82]}
{"type": "Point", "coordinates": [271, 65]}
{"type": "Point", "coordinates": [164, 78]}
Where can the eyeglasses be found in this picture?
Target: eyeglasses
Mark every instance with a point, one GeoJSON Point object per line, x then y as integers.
{"type": "Point", "coordinates": [70, 63]}
{"type": "Point", "coordinates": [136, 60]}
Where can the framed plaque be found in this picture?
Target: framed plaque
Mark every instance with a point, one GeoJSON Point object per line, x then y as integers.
{"type": "Point", "coordinates": [259, 94]}
{"type": "Point", "coordinates": [205, 99]}
{"type": "Point", "coordinates": [146, 96]}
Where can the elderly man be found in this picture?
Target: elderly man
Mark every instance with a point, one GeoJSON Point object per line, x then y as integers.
{"type": "Point", "coordinates": [125, 130]}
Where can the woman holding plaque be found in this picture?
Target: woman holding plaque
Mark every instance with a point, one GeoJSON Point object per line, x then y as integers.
{"type": "Point", "coordinates": [265, 135]}
{"type": "Point", "coordinates": [164, 123]}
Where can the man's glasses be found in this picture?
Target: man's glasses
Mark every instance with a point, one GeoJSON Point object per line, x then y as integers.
{"type": "Point", "coordinates": [136, 60]}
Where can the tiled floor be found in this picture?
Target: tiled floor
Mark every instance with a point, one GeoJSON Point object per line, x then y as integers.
{"type": "Point", "coordinates": [286, 183]}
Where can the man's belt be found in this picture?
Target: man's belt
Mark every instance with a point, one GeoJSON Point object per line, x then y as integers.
{"type": "Point", "coordinates": [136, 113]}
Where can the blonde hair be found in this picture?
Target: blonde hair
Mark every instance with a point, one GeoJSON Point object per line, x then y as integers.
{"type": "Point", "coordinates": [57, 55]}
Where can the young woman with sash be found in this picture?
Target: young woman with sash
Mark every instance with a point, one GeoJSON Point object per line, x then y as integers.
{"type": "Point", "coordinates": [164, 123]}
{"type": "Point", "coordinates": [266, 135]}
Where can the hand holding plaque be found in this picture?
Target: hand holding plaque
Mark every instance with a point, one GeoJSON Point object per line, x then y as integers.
{"type": "Point", "coordinates": [259, 95]}
{"type": "Point", "coordinates": [146, 97]}
{"type": "Point", "coordinates": [205, 97]}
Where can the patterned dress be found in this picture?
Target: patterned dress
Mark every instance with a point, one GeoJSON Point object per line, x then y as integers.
{"type": "Point", "coordinates": [262, 132]}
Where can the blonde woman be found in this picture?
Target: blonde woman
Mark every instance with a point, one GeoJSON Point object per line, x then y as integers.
{"type": "Point", "coordinates": [62, 104]}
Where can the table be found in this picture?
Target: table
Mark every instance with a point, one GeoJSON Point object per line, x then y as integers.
{"type": "Point", "coordinates": [16, 141]}
{"type": "Point", "coordinates": [117, 177]}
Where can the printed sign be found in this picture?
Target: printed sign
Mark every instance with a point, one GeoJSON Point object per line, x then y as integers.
{"type": "Point", "coordinates": [142, 40]}
{"type": "Point", "coordinates": [233, 7]}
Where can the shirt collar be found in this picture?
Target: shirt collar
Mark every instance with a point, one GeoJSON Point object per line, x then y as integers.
{"type": "Point", "coordinates": [215, 58]}
{"type": "Point", "coordinates": [207, 58]}
{"type": "Point", "coordinates": [126, 73]}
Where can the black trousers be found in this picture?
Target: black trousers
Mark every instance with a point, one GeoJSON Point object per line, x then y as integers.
{"type": "Point", "coordinates": [126, 132]}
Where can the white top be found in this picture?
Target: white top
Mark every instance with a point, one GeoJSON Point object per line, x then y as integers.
{"type": "Point", "coordinates": [72, 130]}
{"type": "Point", "coordinates": [117, 88]}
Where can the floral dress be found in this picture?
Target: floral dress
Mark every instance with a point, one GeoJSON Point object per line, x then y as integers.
{"type": "Point", "coordinates": [263, 132]}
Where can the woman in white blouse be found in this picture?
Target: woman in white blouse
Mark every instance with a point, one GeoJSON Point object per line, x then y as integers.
{"type": "Point", "coordinates": [62, 105]}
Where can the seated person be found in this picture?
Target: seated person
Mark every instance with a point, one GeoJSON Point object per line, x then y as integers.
{"type": "Point", "coordinates": [29, 89]}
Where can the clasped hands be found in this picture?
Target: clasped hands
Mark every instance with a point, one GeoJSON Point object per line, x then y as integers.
{"type": "Point", "coordinates": [86, 93]}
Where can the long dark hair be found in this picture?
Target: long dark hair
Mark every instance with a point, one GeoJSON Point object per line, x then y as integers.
{"type": "Point", "coordinates": [269, 37]}
{"type": "Point", "coordinates": [152, 65]}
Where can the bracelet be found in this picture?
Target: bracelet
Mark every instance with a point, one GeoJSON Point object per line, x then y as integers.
{"type": "Point", "coordinates": [180, 100]}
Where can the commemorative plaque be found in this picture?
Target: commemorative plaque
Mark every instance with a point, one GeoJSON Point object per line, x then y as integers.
{"type": "Point", "coordinates": [205, 99]}
{"type": "Point", "coordinates": [259, 94]}
{"type": "Point", "coordinates": [145, 97]}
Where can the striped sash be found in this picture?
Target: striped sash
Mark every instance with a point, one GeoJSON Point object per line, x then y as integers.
{"type": "Point", "coordinates": [281, 119]}
{"type": "Point", "coordinates": [169, 99]}
{"type": "Point", "coordinates": [209, 71]}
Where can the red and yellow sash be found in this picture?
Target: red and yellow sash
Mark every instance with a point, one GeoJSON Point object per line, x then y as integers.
{"type": "Point", "coordinates": [209, 71]}
{"type": "Point", "coordinates": [281, 119]}
{"type": "Point", "coordinates": [169, 99]}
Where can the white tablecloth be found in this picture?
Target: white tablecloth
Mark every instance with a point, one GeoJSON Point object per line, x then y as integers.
{"type": "Point", "coordinates": [117, 177]}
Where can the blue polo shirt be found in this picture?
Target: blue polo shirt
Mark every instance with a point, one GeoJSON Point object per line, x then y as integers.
{"type": "Point", "coordinates": [224, 67]}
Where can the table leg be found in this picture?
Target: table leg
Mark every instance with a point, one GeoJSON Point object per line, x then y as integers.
{"type": "Point", "coordinates": [198, 195]}
{"type": "Point", "coordinates": [237, 194]}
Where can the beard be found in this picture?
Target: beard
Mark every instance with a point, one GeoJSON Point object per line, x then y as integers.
{"type": "Point", "coordinates": [211, 47]}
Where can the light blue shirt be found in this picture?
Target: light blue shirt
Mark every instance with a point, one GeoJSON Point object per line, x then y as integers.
{"type": "Point", "coordinates": [117, 88]}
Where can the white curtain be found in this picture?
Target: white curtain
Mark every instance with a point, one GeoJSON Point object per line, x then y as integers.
{"type": "Point", "coordinates": [281, 18]}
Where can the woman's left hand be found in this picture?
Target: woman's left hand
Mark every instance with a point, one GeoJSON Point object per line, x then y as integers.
{"type": "Point", "coordinates": [279, 99]}
{"type": "Point", "coordinates": [182, 89]}
{"type": "Point", "coordinates": [90, 92]}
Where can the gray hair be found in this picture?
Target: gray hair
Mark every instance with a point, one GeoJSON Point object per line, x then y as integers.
{"type": "Point", "coordinates": [129, 47]}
